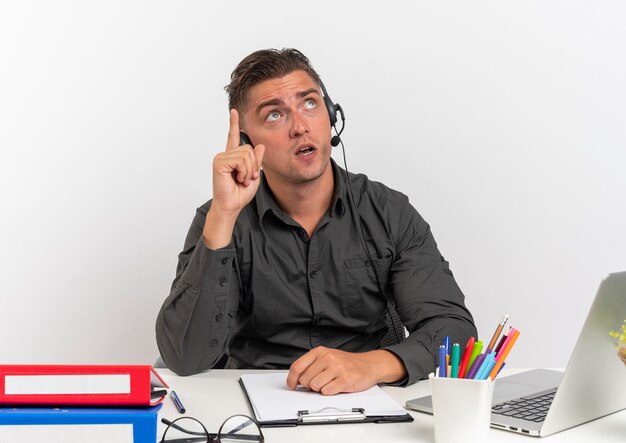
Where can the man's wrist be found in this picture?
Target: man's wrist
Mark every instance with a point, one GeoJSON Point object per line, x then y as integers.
{"type": "Point", "coordinates": [218, 228]}
{"type": "Point", "coordinates": [388, 366]}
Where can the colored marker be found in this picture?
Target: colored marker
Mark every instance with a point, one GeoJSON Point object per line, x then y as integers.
{"type": "Point", "coordinates": [478, 346]}
{"type": "Point", "coordinates": [487, 366]}
{"type": "Point", "coordinates": [501, 342]}
{"type": "Point", "coordinates": [442, 361]}
{"type": "Point", "coordinates": [466, 357]}
{"type": "Point", "coordinates": [499, 370]}
{"type": "Point", "coordinates": [508, 339]}
{"type": "Point", "coordinates": [503, 355]}
{"type": "Point", "coordinates": [476, 366]}
{"type": "Point", "coordinates": [454, 360]}
{"type": "Point", "coordinates": [446, 343]}
{"type": "Point", "coordinates": [481, 367]}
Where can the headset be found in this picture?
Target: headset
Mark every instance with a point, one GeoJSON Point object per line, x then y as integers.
{"type": "Point", "coordinates": [335, 110]}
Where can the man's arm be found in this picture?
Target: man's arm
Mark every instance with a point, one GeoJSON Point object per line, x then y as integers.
{"type": "Point", "coordinates": [194, 324]}
{"type": "Point", "coordinates": [427, 298]}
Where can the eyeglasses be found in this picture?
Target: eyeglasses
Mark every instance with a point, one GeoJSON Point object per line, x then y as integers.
{"type": "Point", "coordinates": [238, 428]}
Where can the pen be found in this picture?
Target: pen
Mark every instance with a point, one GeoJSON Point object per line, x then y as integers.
{"type": "Point", "coordinates": [442, 361]}
{"type": "Point", "coordinates": [506, 342]}
{"type": "Point", "coordinates": [486, 367]}
{"type": "Point", "coordinates": [454, 360]}
{"type": "Point", "coordinates": [476, 366]}
{"type": "Point", "coordinates": [446, 343]}
{"type": "Point", "coordinates": [478, 346]}
{"type": "Point", "coordinates": [177, 402]}
{"type": "Point", "coordinates": [466, 357]}
{"type": "Point", "coordinates": [496, 334]}
{"type": "Point", "coordinates": [501, 342]}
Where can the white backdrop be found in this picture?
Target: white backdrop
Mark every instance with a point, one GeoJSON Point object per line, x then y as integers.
{"type": "Point", "coordinates": [502, 121]}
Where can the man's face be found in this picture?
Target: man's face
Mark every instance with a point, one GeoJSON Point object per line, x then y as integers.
{"type": "Point", "coordinates": [288, 116]}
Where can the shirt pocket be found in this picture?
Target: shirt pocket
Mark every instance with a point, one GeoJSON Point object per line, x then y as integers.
{"type": "Point", "coordinates": [363, 299]}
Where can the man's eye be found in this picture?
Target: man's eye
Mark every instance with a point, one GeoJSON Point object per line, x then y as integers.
{"type": "Point", "coordinates": [273, 116]}
{"type": "Point", "coordinates": [310, 103]}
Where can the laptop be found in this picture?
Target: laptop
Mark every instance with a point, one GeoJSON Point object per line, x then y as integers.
{"type": "Point", "coordinates": [592, 386]}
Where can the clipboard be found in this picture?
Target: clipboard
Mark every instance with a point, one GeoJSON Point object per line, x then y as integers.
{"type": "Point", "coordinates": [274, 405]}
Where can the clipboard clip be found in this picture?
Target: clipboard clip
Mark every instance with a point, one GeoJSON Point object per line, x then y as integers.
{"type": "Point", "coordinates": [332, 415]}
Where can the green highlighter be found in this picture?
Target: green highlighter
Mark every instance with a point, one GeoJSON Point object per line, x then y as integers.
{"type": "Point", "coordinates": [478, 346]}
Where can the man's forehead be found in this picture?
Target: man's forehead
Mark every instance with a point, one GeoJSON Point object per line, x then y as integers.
{"type": "Point", "coordinates": [281, 87]}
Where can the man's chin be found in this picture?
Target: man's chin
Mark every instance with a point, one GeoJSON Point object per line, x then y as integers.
{"type": "Point", "coordinates": [302, 176]}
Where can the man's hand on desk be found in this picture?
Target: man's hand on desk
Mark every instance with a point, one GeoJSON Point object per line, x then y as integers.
{"type": "Point", "coordinates": [331, 371]}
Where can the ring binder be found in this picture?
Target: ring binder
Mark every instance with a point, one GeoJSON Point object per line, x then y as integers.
{"type": "Point", "coordinates": [339, 416]}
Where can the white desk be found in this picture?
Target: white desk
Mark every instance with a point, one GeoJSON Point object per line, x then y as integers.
{"type": "Point", "coordinates": [215, 395]}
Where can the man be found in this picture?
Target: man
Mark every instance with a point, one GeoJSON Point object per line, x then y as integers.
{"type": "Point", "coordinates": [278, 272]}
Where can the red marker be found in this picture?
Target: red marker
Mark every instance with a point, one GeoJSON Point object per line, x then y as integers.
{"type": "Point", "coordinates": [466, 357]}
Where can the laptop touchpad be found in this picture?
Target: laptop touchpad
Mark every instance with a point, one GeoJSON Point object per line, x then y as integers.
{"type": "Point", "coordinates": [525, 383]}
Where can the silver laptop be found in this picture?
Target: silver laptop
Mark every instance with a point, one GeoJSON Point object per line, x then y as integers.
{"type": "Point", "coordinates": [592, 385]}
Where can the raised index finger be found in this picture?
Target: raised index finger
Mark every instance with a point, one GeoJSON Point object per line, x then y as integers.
{"type": "Point", "coordinates": [233, 130]}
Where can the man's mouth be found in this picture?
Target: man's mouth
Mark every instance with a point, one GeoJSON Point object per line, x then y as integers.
{"type": "Point", "coordinates": [305, 150]}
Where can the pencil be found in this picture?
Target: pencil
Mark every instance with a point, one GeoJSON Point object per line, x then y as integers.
{"type": "Point", "coordinates": [503, 354]}
{"type": "Point", "coordinates": [496, 334]}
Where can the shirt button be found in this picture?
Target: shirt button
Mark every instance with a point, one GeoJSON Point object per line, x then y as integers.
{"type": "Point", "coordinates": [313, 274]}
{"type": "Point", "coordinates": [213, 343]}
{"type": "Point", "coordinates": [219, 317]}
{"type": "Point", "coordinates": [368, 263]}
{"type": "Point", "coordinates": [223, 281]}
{"type": "Point", "coordinates": [224, 260]}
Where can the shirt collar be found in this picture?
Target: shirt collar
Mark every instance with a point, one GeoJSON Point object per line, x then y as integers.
{"type": "Point", "coordinates": [265, 202]}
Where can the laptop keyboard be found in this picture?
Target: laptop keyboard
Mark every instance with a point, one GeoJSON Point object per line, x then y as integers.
{"type": "Point", "coordinates": [533, 408]}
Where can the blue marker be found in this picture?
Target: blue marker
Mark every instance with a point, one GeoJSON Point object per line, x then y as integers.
{"type": "Point", "coordinates": [483, 372]}
{"type": "Point", "coordinates": [443, 367]}
{"type": "Point", "coordinates": [446, 343]}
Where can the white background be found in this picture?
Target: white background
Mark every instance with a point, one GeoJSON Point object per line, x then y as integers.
{"type": "Point", "coordinates": [502, 121]}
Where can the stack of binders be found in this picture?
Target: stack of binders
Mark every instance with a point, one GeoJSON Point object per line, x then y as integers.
{"type": "Point", "coordinates": [95, 403]}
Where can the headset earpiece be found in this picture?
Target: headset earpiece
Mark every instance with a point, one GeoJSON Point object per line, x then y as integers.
{"type": "Point", "coordinates": [330, 106]}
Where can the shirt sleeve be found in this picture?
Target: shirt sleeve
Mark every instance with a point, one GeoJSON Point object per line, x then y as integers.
{"type": "Point", "coordinates": [194, 325]}
{"type": "Point", "coordinates": [426, 296]}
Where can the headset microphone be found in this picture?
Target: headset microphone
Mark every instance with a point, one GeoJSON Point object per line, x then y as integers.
{"type": "Point", "coordinates": [335, 140]}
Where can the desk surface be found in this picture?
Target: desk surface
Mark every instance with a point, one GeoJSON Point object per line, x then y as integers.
{"type": "Point", "coordinates": [215, 395]}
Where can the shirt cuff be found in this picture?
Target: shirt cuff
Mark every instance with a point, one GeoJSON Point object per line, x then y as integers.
{"type": "Point", "coordinates": [209, 269]}
{"type": "Point", "coordinates": [417, 359]}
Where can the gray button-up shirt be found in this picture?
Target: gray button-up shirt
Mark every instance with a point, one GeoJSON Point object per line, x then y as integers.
{"type": "Point", "coordinates": [274, 293]}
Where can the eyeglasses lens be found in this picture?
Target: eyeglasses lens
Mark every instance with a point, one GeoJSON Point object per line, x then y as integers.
{"type": "Point", "coordinates": [186, 430]}
{"type": "Point", "coordinates": [240, 428]}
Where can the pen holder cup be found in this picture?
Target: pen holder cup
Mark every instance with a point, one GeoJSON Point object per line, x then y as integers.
{"type": "Point", "coordinates": [461, 409]}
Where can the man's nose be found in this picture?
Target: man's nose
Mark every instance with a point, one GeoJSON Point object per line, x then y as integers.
{"type": "Point", "coordinates": [299, 125]}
